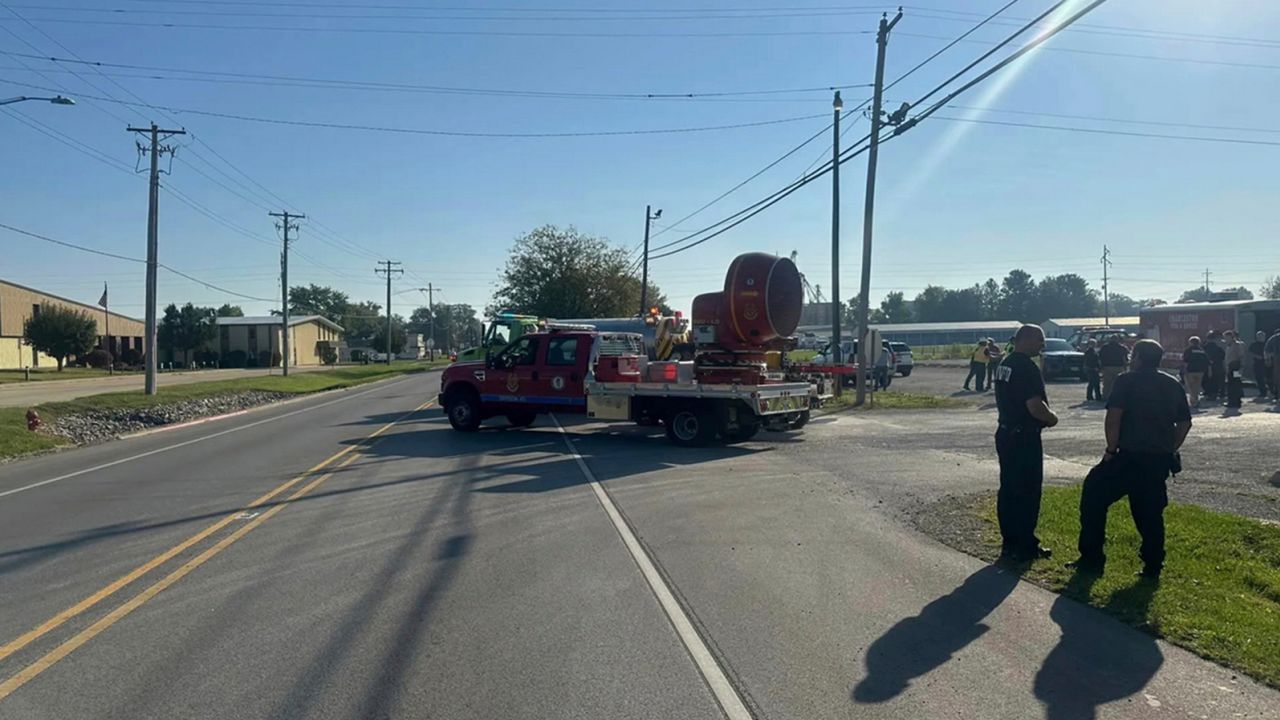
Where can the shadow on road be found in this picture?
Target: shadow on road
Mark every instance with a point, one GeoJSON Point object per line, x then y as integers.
{"type": "Point", "coordinates": [1096, 660]}
{"type": "Point", "coordinates": [919, 644]}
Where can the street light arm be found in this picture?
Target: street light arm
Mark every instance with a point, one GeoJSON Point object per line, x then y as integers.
{"type": "Point", "coordinates": [56, 100]}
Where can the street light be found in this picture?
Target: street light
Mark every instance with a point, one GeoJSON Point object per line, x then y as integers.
{"type": "Point", "coordinates": [56, 100]}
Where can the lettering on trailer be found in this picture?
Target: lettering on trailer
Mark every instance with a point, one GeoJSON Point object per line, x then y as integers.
{"type": "Point", "coordinates": [1184, 321]}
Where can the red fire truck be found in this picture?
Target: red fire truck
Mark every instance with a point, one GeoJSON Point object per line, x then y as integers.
{"type": "Point", "coordinates": [725, 393]}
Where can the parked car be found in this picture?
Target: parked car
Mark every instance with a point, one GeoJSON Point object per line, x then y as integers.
{"type": "Point", "coordinates": [808, 341]}
{"type": "Point", "coordinates": [902, 354]}
{"type": "Point", "coordinates": [1061, 360]}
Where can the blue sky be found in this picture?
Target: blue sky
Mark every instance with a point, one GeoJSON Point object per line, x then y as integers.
{"type": "Point", "coordinates": [958, 202]}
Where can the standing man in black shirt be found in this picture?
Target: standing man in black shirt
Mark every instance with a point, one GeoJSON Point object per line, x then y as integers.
{"type": "Point", "coordinates": [1092, 366]}
{"type": "Point", "coordinates": [1024, 411]}
{"type": "Point", "coordinates": [1114, 358]}
{"type": "Point", "coordinates": [1147, 421]}
{"type": "Point", "coordinates": [1195, 363]}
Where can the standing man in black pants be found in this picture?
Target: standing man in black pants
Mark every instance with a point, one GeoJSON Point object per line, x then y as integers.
{"type": "Point", "coordinates": [1215, 381]}
{"type": "Point", "coordinates": [1024, 411]}
{"type": "Point", "coordinates": [1092, 368]}
{"type": "Point", "coordinates": [1147, 420]}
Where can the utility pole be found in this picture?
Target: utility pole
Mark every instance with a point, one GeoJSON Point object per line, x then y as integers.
{"type": "Point", "coordinates": [873, 152]}
{"type": "Point", "coordinates": [388, 270]}
{"type": "Point", "coordinates": [153, 241]}
{"type": "Point", "coordinates": [1206, 283]}
{"type": "Point", "coordinates": [649, 216]}
{"type": "Point", "coordinates": [1106, 290]}
{"type": "Point", "coordinates": [285, 226]}
{"type": "Point", "coordinates": [837, 106]}
{"type": "Point", "coordinates": [431, 322]}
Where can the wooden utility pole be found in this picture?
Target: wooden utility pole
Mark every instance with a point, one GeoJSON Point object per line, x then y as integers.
{"type": "Point", "coordinates": [388, 268]}
{"type": "Point", "coordinates": [285, 226]}
{"type": "Point", "coordinates": [153, 241]}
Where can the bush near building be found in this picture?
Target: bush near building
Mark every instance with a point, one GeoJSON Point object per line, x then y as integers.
{"type": "Point", "coordinates": [60, 332]}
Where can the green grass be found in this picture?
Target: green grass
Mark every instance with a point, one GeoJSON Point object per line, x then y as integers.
{"type": "Point", "coordinates": [16, 440]}
{"type": "Point", "coordinates": [801, 356]}
{"type": "Point", "coordinates": [961, 351]}
{"type": "Point", "coordinates": [71, 373]}
{"type": "Point", "coordinates": [1219, 595]}
{"type": "Point", "coordinates": [894, 400]}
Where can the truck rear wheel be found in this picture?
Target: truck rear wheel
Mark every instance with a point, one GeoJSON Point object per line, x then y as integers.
{"type": "Point", "coordinates": [464, 411]}
{"type": "Point", "coordinates": [800, 421]}
{"type": "Point", "coordinates": [691, 426]}
{"type": "Point", "coordinates": [743, 433]}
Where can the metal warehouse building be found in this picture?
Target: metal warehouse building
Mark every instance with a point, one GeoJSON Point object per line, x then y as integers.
{"type": "Point", "coordinates": [945, 333]}
{"type": "Point", "coordinates": [18, 303]}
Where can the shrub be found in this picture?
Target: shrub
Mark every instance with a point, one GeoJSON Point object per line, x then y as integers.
{"type": "Point", "coordinates": [235, 359]}
{"type": "Point", "coordinates": [130, 357]}
{"type": "Point", "coordinates": [207, 358]}
{"type": "Point", "coordinates": [98, 358]}
{"type": "Point", "coordinates": [269, 359]}
{"type": "Point", "coordinates": [329, 355]}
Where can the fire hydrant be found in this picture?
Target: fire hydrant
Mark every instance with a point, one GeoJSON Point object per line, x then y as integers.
{"type": "Point", "coordinates": [33, 419]}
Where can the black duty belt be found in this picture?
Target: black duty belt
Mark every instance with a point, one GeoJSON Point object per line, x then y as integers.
{"type": "Point", "coordinates": [1017, 428]}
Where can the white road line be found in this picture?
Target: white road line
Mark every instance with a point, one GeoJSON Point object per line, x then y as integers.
{"type": "Point", "coordinates": [730, 702]}
{"type": "Point", "coordinates": [193, 441]}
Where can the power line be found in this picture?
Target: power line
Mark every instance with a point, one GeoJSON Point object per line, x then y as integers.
{"type": "Point", "coordinates": [1124, 133]}
{"type": "Point", "coordinates": [470, 33]}
{"type": "Point", "coordinates": [736, 15]}
{"type": "Point", "coordinates": [760, 206]}
{"type": "Point", "coordinates": [447, 133]}
{"type": "Point", "coordinates": [127, 258]}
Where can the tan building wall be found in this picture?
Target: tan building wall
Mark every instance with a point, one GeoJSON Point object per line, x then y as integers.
{"type": "Point", "coordinates": [305, 340]}
{"type": "Point", "coordinates": [16, 306]}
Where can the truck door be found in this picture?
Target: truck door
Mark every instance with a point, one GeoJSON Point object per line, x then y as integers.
{"type": "Point", "coordinates": [514, 383]}
{"type": "Point", "coordinates": [563, 371]}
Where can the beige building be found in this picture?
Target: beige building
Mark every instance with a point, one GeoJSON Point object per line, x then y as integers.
{"type": "Point", "coordinates": [18, 303]}
{"type": "Point", "coordinates": [310, 336]}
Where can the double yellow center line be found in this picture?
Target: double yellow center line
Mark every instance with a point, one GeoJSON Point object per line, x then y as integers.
{"type": "Point", "coordinates": [347, 456]}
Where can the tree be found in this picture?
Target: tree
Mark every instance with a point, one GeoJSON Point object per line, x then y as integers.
{"type": "Point", "coordinates": [362, 322]}
{"type": "Point", "coordinates": [186, 329]}
{"type": "Point", "coordinates": [563, 273]}
{"type": "Point", "coordinates": [229, 310]}
{"type": "Point", "coordinates": [60, 332]}
{"type": "Point", "coordinates": [1203, 294]}
{"type": "Point", "coordinates": [455, 326]}
{"type": "Point", "coordinates": [989, 299]}
{"type": "Point", "coordinates": [379, 341]}
{"type": "Point", "coordinates": [1018, 296]}
{"type": "Point", "coordinates": [1271, 288]}
{"type": "Point", "coordinates": [893, 309]}
{"type": "Point", "coordinates": [929, 304]}
{"type": "Point", "coordinates": [1065, 296]}
{"type": "Point", "coordinates": [318, 300]}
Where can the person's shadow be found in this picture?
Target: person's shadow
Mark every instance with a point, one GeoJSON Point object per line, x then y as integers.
{"type": "Point", "coordinates": [916, 645]}
{"type": "Point", "coordinates": [1096, 662]}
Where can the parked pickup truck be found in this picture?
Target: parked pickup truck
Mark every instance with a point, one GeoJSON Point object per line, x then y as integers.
{"type": "Point", "coordinates": [606, 376]}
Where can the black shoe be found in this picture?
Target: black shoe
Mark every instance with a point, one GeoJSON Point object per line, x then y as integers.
{"type": "Point", "coordinates": [1025, 556]}
{"type": "Point", "coordinates": [1087, 565]}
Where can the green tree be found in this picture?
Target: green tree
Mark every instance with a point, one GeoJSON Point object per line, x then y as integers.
{"type": "Point", "coordinates": [455, 326]}
{"type": "Point", "coordinates": [1203, 294]}
{"type": "Point", "coordinates": [186, 329]}
{"type": "Point", "coordinates": [1018, 298]}
{"type": "Point", "coordinates": [1065, 296]}
{"type": "Point", "coordinates": [60, 332]}
{"type": "Point", "coordinates": [894, 308]}
{"type": "Point", "coordinates": [1271, 288]}
{"type": "Point", "coordinates": [379, 341]}
{"type": "Point", "coordinates": [361, 322]}
{"type": "Point", "coordinates": [561, 272]}
{"type": "Point", "coordinates": [989, 300]}
{"type": "Point", "coordinates": [929, 305]}
{"type": "Point", "coordinates": [229, 310]}
{"type": "Point", "coordinates": [318, 300]}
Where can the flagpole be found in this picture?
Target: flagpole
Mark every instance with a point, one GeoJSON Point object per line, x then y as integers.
{"type": "Point", "coordinates": [106, 307]}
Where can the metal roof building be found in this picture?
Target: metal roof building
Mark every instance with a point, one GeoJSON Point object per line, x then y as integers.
{"type": "Point", "coordinates": [942, 333]}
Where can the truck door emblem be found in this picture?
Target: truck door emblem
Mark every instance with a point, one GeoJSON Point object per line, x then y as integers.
{"type": "Point", "coordinates": [478, 374]}
{"type": "Point", "coordinates": [557, 382]}
{"type": "Point", "coordinates": [513, 383]}
{"type": "Point", "coordinates": [750, 311]}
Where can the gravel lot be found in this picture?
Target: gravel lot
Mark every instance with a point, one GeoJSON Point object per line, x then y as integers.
{"type": "Point", "coordinates": [909, 460]}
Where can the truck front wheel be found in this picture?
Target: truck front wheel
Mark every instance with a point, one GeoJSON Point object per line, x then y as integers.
{"type": "Point", "coordinates": [464, 412]}
{"type": "Point", "coordinates": [690, 426]}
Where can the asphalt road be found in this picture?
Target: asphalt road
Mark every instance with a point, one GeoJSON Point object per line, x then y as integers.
{"type": "Point", "coordinates": [24, 394]}
{"type": "Point", "coordinates": [349, 556]}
